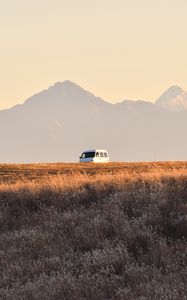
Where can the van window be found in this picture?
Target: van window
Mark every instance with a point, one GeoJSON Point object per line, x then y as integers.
{"type": "Point", "coordinates": [97, 154]}
{"type": "Point", "coordinates": [105, 154]}
{"type": "Point", "coordinates": [101, 154]}
{"type": "Point", "coordinates": [88, 154]}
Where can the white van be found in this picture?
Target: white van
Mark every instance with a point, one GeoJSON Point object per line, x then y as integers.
{"type": "Point", "coordinates": [94, 156]}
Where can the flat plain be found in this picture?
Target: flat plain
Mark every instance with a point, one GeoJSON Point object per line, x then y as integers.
{"type": "Point", "coordinates": [11, 173]}
{"type": "Point", "coordinates": [93, 231]}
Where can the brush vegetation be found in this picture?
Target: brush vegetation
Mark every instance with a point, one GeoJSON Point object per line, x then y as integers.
{"type": "Point", "coordinates": [110, 231]}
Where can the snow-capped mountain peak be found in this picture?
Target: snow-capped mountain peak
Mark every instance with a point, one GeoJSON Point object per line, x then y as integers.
{"type": "Point", "coordinates": [174, 99]}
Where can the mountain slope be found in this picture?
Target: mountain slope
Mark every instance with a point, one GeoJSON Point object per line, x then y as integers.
{"type": "Point", "coordinates": [60, 122]}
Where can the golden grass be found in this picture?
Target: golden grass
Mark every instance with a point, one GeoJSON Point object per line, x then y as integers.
{"type": "Point", "coordinates": [87, 231]}
{"type": "Point", "coordinates": [28, 172]}
{"type": "Point", "coordinates": [84, 175]}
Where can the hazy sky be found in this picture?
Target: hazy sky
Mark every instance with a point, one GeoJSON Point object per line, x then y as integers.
{"type": "Point", "coordinates": [117, 49]}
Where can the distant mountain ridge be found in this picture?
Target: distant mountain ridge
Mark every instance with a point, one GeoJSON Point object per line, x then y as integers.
{"type": "Point", "coordinates": [63, 120]}
{"type": "Point", "coordinates": [173, 99]}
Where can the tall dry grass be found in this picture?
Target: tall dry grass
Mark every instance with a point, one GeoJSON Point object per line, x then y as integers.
{"type": "Point", "coordinates": [102, 236]}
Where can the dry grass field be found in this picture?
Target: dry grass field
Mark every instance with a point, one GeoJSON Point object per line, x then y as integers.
{"type": "Point", "coordinates": [93, 231]}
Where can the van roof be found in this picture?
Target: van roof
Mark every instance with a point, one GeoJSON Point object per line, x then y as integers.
{"type": "Point", "coordinates": [96, 150]}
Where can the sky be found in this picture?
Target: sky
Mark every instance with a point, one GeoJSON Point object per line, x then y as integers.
{"type": "Point", "coordinates": [117, 49]}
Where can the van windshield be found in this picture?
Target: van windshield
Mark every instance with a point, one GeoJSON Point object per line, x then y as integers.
{"type": "Point", "coordinates": [87, 154]}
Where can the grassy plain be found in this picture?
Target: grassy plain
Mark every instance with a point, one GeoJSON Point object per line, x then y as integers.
{"type": "Point", "coordinates": [93, 231]}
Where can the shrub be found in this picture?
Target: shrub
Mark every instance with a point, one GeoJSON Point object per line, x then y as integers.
{"type": "Point", "coordinates": [101, 237]}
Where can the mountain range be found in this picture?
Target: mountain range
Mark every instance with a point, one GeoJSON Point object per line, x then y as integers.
{"type": "Point", "coordinates": [60, 122]}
